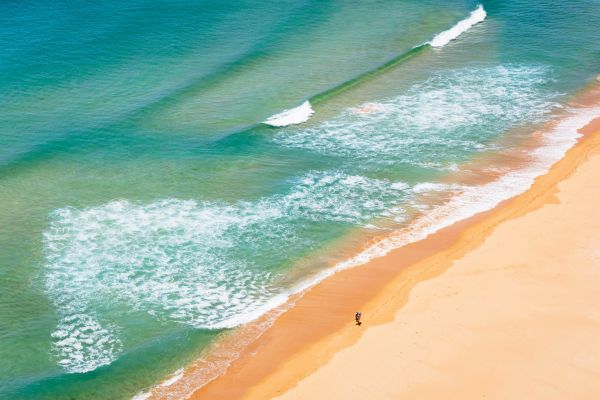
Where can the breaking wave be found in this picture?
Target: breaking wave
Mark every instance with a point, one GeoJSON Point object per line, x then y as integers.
{"type": "Point", "coordinates": [292, 116]}
{"type": "Point", "coordinates": [202, 263]}
{"type": "Point", "coordinates": [303, 112]}
{"type": "Point", "coordinates": [471, 200]}
{"type": "Point", "coordinates": [466, 200]}
{"type": "Point", "coordinates": [443, 38]}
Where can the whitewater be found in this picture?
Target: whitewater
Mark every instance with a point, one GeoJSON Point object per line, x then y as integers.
{"type": "Point", "coordinates": [465, 201]}
{"type": "Point", "coordinates": [292, 116]}
{"type": "Point", "coordinates": [443, 38]}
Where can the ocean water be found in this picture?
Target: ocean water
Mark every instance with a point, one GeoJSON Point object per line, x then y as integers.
{"type": "Point", "coordinates": [147, 209]}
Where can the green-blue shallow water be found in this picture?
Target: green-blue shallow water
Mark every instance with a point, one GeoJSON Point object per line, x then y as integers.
{"type": "Point", "coordinates": [145, 208]}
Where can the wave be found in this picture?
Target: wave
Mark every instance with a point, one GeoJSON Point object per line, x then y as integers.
{"type": "Point", "coordinates": [202, 263]}
{"type": "Point", "coordinates": [443, 38]}
{"type": "Point", "coordinates": [470, 200]}
{"type": "Point", "coordinates": [439, 40]}
{"type": "Point", "coordinates": [433, 122]}
{"type": "Point", "coordinates": [369, 74]}
{"type": "Point", "coordinates": [142, 395]}
{"type": "Point", "coordinates": [175, 376]}
{"type": "Point", "coordinates": [292, 116]}
{"type": "Point", "coordinates": [303, 112]}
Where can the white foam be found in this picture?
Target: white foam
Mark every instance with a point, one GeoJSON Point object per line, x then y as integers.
{"type": "Point", "coordinates": [142, 396]}
{"type": "Point", "coordinates": [468, 201]}
{"type": "Point", "coordinates": [292, 116]}
{"type": "Point", "coordinates": [82, 344]}
{"type": "Point", "coordinates": [434, 122]}
{"type": "Point", "coordinates": [368, 108]}
{"type": "Point", "coordinates": [196, 263]}
{"type": "Point", "coordinates": [435, 187]}
{"type": "Point", "coordinates": [471, 200]}
{"type": "Point", "coordinates": [443, 38]}
{"type": "Point", "coordinates": [175, 376]}
{"type": "Point", "coordinates": [476, 199]}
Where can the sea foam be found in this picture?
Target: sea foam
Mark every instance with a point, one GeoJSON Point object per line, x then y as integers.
{"type": "Point", "coordinates": [433, 123]}
{"type": "Point", "coordinates": [175, 376]}
{"type": "Point", "coordinates": [196, 263]}
{"type": "Point", "coordinates": [471, 200]}
{"type": "Point", "coordinates": [202, 263]}
{"type": "Point", "coordinates": [445, 37]}
{"type": "Point", "coordinates": [303, 112]}
{"type": "Point", "coordinates": [292, 116]}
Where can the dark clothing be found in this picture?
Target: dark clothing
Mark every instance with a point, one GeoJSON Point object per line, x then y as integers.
{"type": "Point", "coordinates": [357, 317]}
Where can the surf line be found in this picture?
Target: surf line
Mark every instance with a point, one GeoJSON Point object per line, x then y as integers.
{"type": "Point", "coordinates": [303, 112]}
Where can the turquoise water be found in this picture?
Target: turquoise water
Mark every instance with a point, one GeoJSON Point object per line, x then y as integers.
{"type": "Point", "coordinates": [145, 209]}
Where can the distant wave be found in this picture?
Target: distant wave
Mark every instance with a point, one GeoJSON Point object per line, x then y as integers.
{"type": "Point", "coordinates": [292, 116]}
{"type": "Point", "coordinates": [443, 38]}
{"type": "Point", "coordinates": [303, 112]}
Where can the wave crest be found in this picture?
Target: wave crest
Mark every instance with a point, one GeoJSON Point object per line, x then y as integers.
{"type": "Point", "coordinates": [445, 37]}
{"type": "Point", "coordinates": [293, 116]}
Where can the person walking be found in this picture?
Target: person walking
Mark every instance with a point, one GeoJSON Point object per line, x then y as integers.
{"type": "Point", "coordinates": [357, 317]}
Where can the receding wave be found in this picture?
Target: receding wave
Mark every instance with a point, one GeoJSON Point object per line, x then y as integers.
{"type": "Point", "coordinates": [292, 116]}
{"type": "Point", "coordinates": [443, 38]}
{"type": "Point", "coordinates": [471, 200]}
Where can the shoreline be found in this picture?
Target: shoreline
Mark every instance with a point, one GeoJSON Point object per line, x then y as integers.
{"type": "Point", "coordinates": [318, 325]}
{"type": "Point", "coordinates": [265, 376]}
{"type": "Point", "coordinates": [509, 311]}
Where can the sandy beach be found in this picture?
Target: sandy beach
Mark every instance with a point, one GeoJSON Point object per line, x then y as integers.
{"type": "Point", "coordinates": [502, 305]}
{"type": "Point", "coordinates": [516, 317]}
